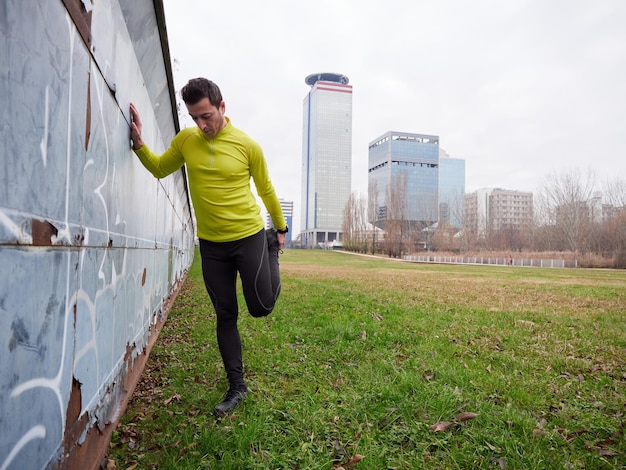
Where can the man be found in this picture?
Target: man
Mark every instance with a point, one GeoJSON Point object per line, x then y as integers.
{"type": "Point", "coordinates": [220, 160]}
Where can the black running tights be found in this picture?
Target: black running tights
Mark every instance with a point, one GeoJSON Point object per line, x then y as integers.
{"type": "Point", "coordinates": [260, 279]}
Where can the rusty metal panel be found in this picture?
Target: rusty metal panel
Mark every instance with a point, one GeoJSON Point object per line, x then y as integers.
{"type": "Point", "coordinates": [92, 248]}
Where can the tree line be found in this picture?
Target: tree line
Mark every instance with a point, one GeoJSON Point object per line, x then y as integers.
{"type": "Point", "coordinates": [571, 213]}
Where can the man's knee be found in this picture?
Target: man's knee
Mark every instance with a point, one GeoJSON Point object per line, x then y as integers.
{"type": "Point", "coordinates": [260, 312]}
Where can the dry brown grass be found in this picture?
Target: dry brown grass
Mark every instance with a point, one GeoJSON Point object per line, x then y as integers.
{"type": "Point", "coordinates": [508, 290]}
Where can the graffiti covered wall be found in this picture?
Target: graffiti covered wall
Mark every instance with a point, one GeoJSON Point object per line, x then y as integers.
{"type": "Point", "coordinates": [92, 247]}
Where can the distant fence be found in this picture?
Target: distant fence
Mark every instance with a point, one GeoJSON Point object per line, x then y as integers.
{"type": "Point", "coordinates": [533, 263]}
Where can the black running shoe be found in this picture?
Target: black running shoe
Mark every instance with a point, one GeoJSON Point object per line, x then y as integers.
{"type": "Point", "coordinates": [230, 401]}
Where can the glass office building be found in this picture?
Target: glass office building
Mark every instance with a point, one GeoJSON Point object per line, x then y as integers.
{"type": "Point", "coordinates": [326, 158]}
{"type": "Point", "coordinates": [406, 167]}
{"type": "Point", "coordinates": [451, 190]}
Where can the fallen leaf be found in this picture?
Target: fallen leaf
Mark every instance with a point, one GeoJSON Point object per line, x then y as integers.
{"type": "Point", "coordinates": [339, 448]}
{"type": "Point", "coordinates": [428, 375]}
{"type": "Point", "coordinates": [607, 452]}
{"type": "Point", "coordinates": [465, 416]}
{"type": "Point", "coordinates": [440, 426]}
{"type": "Point", "coordinates": [353, 461]}
{"type": "Point", "coordinates": [364, 334]}
{"type": "Point", "coordinates": [574, 434]}
{"type": "Point", "coordinates": [176, 397]}
{"type": "Point", "coordinates": [606, 442]}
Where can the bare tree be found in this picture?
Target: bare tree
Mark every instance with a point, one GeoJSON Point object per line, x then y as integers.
{"type": "Point", "coordinates": [614, 220]}
{"type": "Point", "coordinates": [347, 223]}
{"type": "Point", "coordinates": [614, 192]}
{"type": "Point", "coordinates": [421, 231]}
{"type": "Point", "coordinates": [395, 214]}
{"type": "Point", "coordinates": [443, 238]}
{"type": "Point", "coordinates": [360, 216]}
{"type": "Point", "coordinates": [355, 223]}
{"type": "Point", "coordinates": [455, 210]}
{"type": "Point", "coordinates": [566, 200]}
{"type": "Point", "coordinates": [372, 212]}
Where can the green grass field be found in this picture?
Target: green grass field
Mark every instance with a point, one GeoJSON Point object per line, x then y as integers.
{"type": "Point", "coordinates": [369, 363]}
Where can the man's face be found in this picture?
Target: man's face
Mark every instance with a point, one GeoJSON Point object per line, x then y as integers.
{"type": "Point", "coordinates": [210, 119]}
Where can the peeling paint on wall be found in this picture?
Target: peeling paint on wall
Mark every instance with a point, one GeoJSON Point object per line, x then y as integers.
{"type": "Point", "coordinates": [92, 248]}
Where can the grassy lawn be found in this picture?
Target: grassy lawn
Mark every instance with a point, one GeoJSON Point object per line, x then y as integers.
{"type": "Point", "coordinates": [377, 364]}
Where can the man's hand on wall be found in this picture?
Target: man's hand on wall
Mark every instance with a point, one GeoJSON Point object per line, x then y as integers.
{"type": "Point", "coordinates": [135, 128]}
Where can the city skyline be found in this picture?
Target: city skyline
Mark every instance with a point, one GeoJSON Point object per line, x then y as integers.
{"type": "Point", "coordinates": [518, 95]}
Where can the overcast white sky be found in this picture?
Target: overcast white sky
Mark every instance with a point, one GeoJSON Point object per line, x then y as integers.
{"type": "Point", "coordinates": [520, 89]}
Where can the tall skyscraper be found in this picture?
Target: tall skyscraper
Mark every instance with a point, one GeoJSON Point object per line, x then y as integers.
{"type": "Point", "coordinates": [326, 158]}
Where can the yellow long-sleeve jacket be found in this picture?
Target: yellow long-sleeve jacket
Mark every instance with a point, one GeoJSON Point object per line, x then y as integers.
{"type": "Point", "coordinates": [219, 171]}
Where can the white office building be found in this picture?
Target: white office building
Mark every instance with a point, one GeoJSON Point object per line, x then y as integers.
{"type": "Point", "coordinates": [326, 158]}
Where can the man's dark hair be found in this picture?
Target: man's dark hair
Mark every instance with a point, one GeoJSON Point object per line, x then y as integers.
{"type": "Point", "coordinates": [198, 88]}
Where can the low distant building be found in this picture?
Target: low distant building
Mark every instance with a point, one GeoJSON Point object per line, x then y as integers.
{"type": "Point", "coordinates": [287, 207]}
{"type": "Point", "coordinates": [490, 210]}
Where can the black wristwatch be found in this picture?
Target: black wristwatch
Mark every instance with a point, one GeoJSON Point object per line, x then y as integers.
{"type": "Point", "coordinates": [285, 230]}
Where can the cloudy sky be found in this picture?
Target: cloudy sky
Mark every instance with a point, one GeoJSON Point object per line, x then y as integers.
{"type": "Point", "coordinates": [520, 89]}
